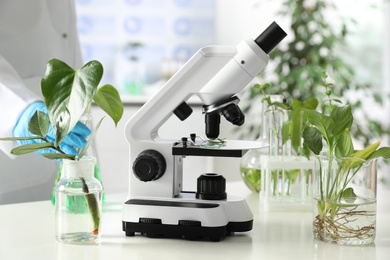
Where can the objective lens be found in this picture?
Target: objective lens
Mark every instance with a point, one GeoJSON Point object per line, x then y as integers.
{"type": "Point", "coordinates": [233, 114]}
{"type": "Point", "coordinates": [212, 121]}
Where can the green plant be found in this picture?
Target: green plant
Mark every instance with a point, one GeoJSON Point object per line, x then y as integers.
{"type": "Point", "coordinates": [68, 95]}
{"type": "Point", "coordinates": [333, 127]}
{"type": "Point", "coordinates": [279, 135]}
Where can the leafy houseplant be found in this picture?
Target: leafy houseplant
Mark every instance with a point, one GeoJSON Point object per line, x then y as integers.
{"type": "Point", "coordinates": [68, 95]}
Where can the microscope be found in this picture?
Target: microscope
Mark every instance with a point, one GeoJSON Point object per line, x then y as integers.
{"type": "Point", "coordinates": [157, 206]}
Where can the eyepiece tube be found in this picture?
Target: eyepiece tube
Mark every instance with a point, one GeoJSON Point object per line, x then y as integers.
{"type": "Point", "coordinates": [271, 37]}
{"type": "Point", "coordinates": [212, 121]}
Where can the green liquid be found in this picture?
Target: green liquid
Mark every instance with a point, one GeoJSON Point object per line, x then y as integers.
{"type": "Point", "coordinates": [252, 178]}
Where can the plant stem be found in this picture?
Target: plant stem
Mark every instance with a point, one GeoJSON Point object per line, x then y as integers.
{"type": "Point", "coordinates": [93, 206]}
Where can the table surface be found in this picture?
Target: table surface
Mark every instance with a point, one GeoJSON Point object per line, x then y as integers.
{"type": "Point", "coordinates": [27, 232]}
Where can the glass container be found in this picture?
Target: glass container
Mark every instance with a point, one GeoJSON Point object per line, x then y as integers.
{"type": "Point", "coordinates": [344, 200]}
{"type": "Point", "coordinates": [78, 203]}
{"type": "Point", "coordinates": [91, 151]}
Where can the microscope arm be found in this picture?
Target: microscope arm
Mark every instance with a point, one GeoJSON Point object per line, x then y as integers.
{"type": "Point", "coordinates": [194, 75]}
{"type": "Point", "coordinates": [214, 73]}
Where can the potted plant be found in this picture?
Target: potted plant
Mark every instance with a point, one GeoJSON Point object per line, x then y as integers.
{"type": "Point", "coordinates": [68, 95]}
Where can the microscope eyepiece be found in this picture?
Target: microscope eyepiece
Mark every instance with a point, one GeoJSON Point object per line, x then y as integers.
{"type": "Point", "coordinates": [270, 37]}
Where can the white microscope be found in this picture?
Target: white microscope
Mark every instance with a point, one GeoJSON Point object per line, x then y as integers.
{"type": "Point", "coordinates": [157, 206]}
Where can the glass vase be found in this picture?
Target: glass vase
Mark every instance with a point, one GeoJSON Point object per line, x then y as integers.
{"type": "Point", "coordinates": [78, 203]}
{"type": "Point", "coordinates": [344, 207]}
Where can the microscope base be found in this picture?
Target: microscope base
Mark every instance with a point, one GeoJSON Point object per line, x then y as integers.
{"type": "Point", "coordinates": [189, 219]}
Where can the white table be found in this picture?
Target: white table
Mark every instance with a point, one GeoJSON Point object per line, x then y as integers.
{"type": "Point", "coordinates": [27, 232]}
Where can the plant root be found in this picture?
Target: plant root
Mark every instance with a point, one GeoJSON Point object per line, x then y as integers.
{"type": "Point", "coordinates": [337, 227]}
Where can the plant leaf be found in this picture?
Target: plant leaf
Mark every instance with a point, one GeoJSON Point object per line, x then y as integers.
{"type": "Point", "coordinates": [343, 118]}
{"type": "Point", "coordinates": [39, 124]}
{"type": "Point", "coordinates": [383, 152]}
{"type": "Point", "coordinates": [311, 103]}
{"type": "Point", "coordinates": [56, 156]}
{"type": "Point", "coordinates": [26, 138]}
{"type": "Point", "coordinates": [305, 151]}
{"type": "Point", "coordinates": [90, 139]}
{"type": "Point", "coordinates": [349, 195]}
{"type": "Point", "coordinates": [30, 148]}
{"type": "Point", "coordinates": [323, 123]}
{"type": "Point", "coordinates": [366, 152]}
{"type": "Point", "coordinates": [313, 139]}
{"type": "Point", "coordinates": [108, 99]}
{"type": "Point", "coordinates": [344, 146]}
{"type": "Point", "coordinates": [286, 131]}
{"type": "Point", "coordinates": [62, 125]}
{"type": "Point", "coordinates": [280, 105]}
{"type": "Point", "coordinates": [63, 86]}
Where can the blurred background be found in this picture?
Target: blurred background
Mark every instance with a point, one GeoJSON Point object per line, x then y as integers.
{"type": "Point", "coordinates": [141, 43]}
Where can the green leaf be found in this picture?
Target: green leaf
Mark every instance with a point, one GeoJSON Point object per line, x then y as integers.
{"type": "Point", "coordinates": [313, 139]}
{"type": "Point", "coordinates": [296, 118]}
{"type": "Point", "coordinates": [349, 195]}
{"type": "Point", "coordinates": [63, 86]}
{"type": "Point", "coordinates": [62, 127]}
{"type": "Point", "coordinates": [323, 123]}
{"type": "Point", "coordinates": [296, 104]}
{"type": "Point", "coordinates": [343, 118]}
{"type": "Point", "coordinates": [261, 87]}
{"type": "Point", "coordinates": [30, 148]}
{"type": "Point", "coordinates": [366, 152]}
{"type": "Point", "coordinates": [286, 131]}
{"type": "Point", "coordinates": [21, 138]}
{"type": "Point", "coordinates": [311, 103]}
{"type": "Point", "coordinates": [39, 124]}
{"type": "Point", "coordinates": [57, 156]}
{"type": "Point", "coordinates": [344, 146]}
{"type": "Point", "coordinates": [280, 105]}
{"type": "Point", "coordinates": [383, 152]}
{"type": "Point", "coordinates": [305, 151]}
{"type": "Point", "coordinates": [108, 98]}
{"type": "Point", "coordinates": [90, 139]}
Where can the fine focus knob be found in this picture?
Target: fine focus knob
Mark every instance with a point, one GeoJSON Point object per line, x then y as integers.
{"type": "Point", "coordinates": [211, 186]}
{"type": "Point", "coordinates": [149, 165]}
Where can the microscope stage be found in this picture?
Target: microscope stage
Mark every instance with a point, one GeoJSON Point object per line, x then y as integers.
{"type": "Point", "coordinates": [230, 148]}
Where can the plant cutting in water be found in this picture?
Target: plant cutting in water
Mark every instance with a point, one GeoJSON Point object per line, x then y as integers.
{"type": "Point", "coordinates": [337, 204]}
{"type": "Point", "coordinates": [284, 137]}
{"type": "Point", "coordinates": [68, 95]}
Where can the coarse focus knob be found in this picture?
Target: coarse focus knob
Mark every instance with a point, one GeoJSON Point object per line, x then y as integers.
{"type": "Point", "coordinates": [211, 186]}
{"type": "Point", "coordinates": [150, 165]}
